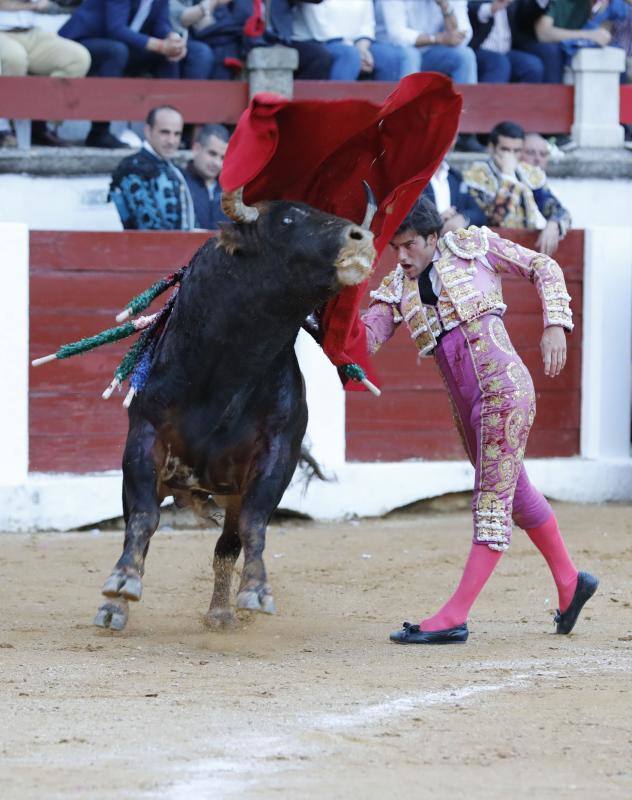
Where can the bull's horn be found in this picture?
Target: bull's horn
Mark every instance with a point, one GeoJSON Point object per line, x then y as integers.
{"type": "Point", "coordinates": [371, 206]}
{"type": "Point", "coordinates": [234, 207]}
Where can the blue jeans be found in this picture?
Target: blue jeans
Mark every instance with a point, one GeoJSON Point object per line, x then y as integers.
{"type": "Point", "coordinates": [198, 63]}
{"type": "Point", "coordinates": [459, 62]}
{"type": "Point", "coordinates": [389, 60]}
{"type": "Point", "coordinates": [514, 67]}
{"type": "Point", "coordinates": [109, 57]}
{"type": "Point", "coordinates": [550, 54]}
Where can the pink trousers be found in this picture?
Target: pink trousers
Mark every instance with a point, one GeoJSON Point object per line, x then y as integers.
{"type": "Point", "coordinates": [493, 401]}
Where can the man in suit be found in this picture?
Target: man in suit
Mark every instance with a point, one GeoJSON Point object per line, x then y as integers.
{"type": "Point", "coordinates": [450, 194]}
{"type": "Point", "coordinates": [202, 175]}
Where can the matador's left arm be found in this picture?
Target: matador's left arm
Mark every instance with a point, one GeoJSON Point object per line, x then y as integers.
{"type": "Point", "coordinates": [503, 255]}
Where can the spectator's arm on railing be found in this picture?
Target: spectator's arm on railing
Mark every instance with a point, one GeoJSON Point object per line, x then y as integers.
{"type": "Point", "coordinates": [547, 32]}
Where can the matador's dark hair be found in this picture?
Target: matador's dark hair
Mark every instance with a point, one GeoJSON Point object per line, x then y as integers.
{"type": "Point", "coordinates": [424, 219]}
{"type": "Point", "coordinates": [509, 129]}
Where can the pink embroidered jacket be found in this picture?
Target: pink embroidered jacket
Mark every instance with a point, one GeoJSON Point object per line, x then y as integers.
{"type": "Point", "coordinates": [469, 268]}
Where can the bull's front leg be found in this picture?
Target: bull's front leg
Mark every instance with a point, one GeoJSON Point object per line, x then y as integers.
{"type": "Point", "coordinates": [227, 549]}
{"type": "Point", "coordinates": [141, 508]}
{"type": "Point", "coordinates": [254, 592]}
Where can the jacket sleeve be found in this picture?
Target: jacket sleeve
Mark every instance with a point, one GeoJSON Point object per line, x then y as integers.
{"type": "Point", "coordinates": [551, 208]}
{"type": "Point", "coordinates": [117, 13]}
{"type": "Point", "coordinates": [380, 323]}
{"type": "Point", "coordinates": [396, 22]}
{"type": "Point", "coordinates": [543, 271]}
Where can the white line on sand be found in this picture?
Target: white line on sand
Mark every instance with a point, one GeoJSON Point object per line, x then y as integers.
{"type": "Point", "coordinates": [253, 756]}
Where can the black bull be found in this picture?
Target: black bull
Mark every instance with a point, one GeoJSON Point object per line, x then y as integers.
{"type": "Point", "coordinates": [223, 412]}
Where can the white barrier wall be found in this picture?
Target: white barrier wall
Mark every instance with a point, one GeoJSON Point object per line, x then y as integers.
{"type": "Point", "coordinates": [603, 472]}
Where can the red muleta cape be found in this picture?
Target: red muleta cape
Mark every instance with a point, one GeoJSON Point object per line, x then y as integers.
{"type": "Point", "coordinates": [320, 151]}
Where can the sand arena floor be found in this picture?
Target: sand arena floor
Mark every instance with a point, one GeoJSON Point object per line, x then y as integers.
{"type": "Point", "coordinates": [315, 702]}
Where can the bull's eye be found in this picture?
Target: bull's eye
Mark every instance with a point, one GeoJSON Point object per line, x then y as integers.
{"type": "Point", "coordinates": [288, 221]}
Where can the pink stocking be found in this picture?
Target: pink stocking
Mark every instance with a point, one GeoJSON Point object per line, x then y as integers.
{"type": "Point", "coordinates": [548, 539]}
{"type": "Point", "coordinates": [480, 565]}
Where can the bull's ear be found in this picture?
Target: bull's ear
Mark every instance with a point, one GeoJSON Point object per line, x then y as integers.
{"type": "Point", "coordinates": [231, 239]}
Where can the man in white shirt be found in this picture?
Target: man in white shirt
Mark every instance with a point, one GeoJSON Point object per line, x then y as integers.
{"type": "Point", "coordinates": [347, 29]}
{"type": "Point", "coordinates": [497, 60]}
{"type": "Point", "coordinates": [435, 34]}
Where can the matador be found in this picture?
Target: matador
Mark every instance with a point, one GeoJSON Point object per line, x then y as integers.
{"type": "Point", "coordinates": [447, 292]}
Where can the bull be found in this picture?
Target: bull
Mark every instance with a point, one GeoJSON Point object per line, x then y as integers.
{"type": "Point", "coordinates": [223, 413]}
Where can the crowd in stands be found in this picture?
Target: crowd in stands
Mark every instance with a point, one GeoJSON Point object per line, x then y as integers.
{"type": "Point", "coordinates": [506, 189]}
{"type": "Point", "coordinates": [498, 41]}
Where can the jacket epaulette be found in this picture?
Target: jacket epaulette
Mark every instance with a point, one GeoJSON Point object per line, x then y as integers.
{"type": "Point", "coordinates": [468, 243]}
{"type": "Point", "coordinates": [533, 176]}
{"type": "Point", "coordinates": [391, 288]}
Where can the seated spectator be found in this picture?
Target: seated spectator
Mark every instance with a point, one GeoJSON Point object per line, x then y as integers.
{"type": "Point", "coordinates": [27, 50]}
{"type": "Point", "coordinates": [314, 60]}
{"type": "Point", "coordinates": [148, 190]}
{"type": "Point", "coordinates": [347, 29]}
{"type": "Point", "coordinates": [224, 30]}
{"type": "Point", "coordinates": [536, 151]}
{"type": "Point", "coordinates": [449, 193]}
{"type": "Point", "coordinates": [542, 25]}
{"type": "Point", "coordinates": [185, 15]}
{"type": "Point", "coordinates": [202, 175]}
{"type": "Point", "coordinates": [128, 37]}
{"type": "Point", "coordinates": [514, 194]}
{"type": "Point", "coordinates": [497, 59]}
{"type": "Point", "coordinates": [435, 36]}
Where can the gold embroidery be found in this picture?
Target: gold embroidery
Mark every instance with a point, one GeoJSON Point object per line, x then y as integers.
{"type": "Point", "coordinates": [500, 337]}
{"type": "Point", "coordinates": [514, 428]}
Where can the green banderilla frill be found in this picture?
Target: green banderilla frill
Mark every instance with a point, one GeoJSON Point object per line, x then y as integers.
{"type": "Point", "coordinates": [90, 342]}
{"type": "Point", "coordinates": [356, 373]}
{"type": "Point", "coordinates": [144, 299]}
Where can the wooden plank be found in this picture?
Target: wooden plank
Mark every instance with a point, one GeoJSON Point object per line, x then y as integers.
{"type": "Point", "coordinates": [625, 112]}
{"type": "Point", "coordinates": [540, 108]}
{"type": "Point", "coordinates": [156, 252]}
{"type": "Point", "coordinates": [103, 99]}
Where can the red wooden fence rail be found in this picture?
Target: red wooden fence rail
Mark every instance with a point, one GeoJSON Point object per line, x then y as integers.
{"type": "Point", "coordinates": [537, 107]}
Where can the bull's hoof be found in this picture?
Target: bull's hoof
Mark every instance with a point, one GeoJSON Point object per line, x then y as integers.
{"type": "Point", "coordinates": [123, 584]}
{"type": "Point", "coordinates": [112, 614]}
{"type": "Point", "coordinates": [256, 600]}
{"type": "Point", "coordinates": [220, 618]}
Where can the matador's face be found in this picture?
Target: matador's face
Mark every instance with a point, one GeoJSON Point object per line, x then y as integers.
{"type": "Point", "coordinates": [414, 252]}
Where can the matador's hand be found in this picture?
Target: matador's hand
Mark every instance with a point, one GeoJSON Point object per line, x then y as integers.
{"type": "Point", "coordinates": [553, 349]}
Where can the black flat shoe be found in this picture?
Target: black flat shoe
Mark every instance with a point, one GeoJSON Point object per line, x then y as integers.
{"type": "Point", "coordinates": [410, 634]}
{"type": "Point", "coordinates": [586, 587]}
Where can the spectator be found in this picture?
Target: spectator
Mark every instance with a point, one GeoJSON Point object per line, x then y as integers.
{"type": "Point", "coordinates": [514, 194]}
{"type": "Point", "coordinates": [347, 29]}
{"type": "Point", "coordinates": [536, 151]}
{"type": "Point", "coordinates": [542, 25]}
{"type": "Point", "coordinates": [224, 31]}
{"type": "Point", "coordinates": [127, 37]}
{"type": "Point", "coordinates": [185, 15]}
{"type": "Point", "coordinates": [435, 36]}
{"type": "Point", "coordinates": [314, 60]}
{"type": "Point", "coordinates": [149, 192]}
{"type": "Point", "coordinates": [25, 49]}
{"type": "Point", "coordinates": [497, 59]}
{"type": "Point", "coordinates": [202, 175]}
{"type": "Point", "coordinates": [449, 193]}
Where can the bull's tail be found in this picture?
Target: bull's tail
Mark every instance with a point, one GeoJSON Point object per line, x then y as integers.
{"type": "Point", "coordinates": [310, 467]}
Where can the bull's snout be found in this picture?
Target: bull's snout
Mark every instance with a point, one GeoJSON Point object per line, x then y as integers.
{"type": "Point", "coordinates": [356, 255]}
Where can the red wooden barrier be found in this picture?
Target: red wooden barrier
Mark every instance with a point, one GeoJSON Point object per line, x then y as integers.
{"type": "Point", "coordinates": [412, 419]}
{"type": "Point", "coordinates": [80, 280]}
{"type": "Point", "coordinates": [625, 108]}
{"type": "Point", "coordinates": [537, 107]}
{"type": "Point", "coordinates": [104, 99]}
{"type": "Point", "coordinates": [541, 108]}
